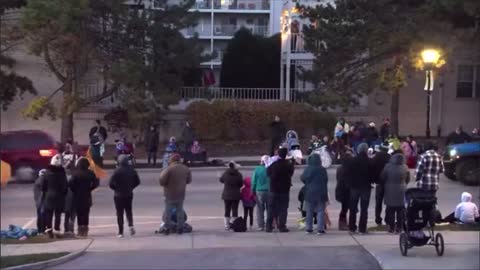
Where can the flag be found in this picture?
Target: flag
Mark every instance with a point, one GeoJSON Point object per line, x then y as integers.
{"type": "Point", "coordinates": [6, 173]}
{"type": "Point", "coordinates": [99, 172]}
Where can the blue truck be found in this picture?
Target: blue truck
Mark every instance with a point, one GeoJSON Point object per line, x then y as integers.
{"type": "Point", "coordinates": [462, 162]}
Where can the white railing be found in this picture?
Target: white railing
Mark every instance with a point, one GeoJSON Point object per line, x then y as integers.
{"type": "Point", "coordinates": [297, 43]}
{"type": "Point", "coordinates": [230, 30]}
{"type": "Point", "coordinates": [232, 5]}
{"type": "Point", "coordinates": [253, 94]}
{"type": "Point", "coordinates": [91, 90]}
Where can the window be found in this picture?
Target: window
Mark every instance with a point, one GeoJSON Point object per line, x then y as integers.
{"type": "Point", "coordinates": [249, 21]}
{"type": "Point", "coordinates": [465, 81]}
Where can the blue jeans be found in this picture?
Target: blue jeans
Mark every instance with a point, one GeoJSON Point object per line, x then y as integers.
{"type": "Point", "coordinates": [167, 217]}
{"type": "Point", "coordinates": [262, 202]}
{"type": "Point", "coordinates": [320, 207]}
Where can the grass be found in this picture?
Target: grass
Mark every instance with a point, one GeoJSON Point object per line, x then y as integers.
{"type": "Point", "coordinates": [10, 261]}
{"type": "Point", "coordinates": [447, 227]}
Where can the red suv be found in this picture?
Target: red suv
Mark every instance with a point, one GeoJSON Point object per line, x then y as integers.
{"type": "Point", "coordinates": [27, 152]}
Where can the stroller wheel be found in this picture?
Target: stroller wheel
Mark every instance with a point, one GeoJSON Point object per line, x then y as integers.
{"type": "Point", "coordinates": [403, 244]}
{"type": "Point", "coordinates": [439, 244]}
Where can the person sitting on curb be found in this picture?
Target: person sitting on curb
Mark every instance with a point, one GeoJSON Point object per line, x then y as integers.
{"type": "Point", "coordinates": [465, 212]}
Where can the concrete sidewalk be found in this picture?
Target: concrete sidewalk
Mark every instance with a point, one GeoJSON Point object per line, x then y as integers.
{"type": "Point", "coordinates": [52, 247]}
{"type": "Point", "coordinates": [462, 251]}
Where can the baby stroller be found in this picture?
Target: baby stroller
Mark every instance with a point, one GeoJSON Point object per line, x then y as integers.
{"type": "Point", "coordinates": [293, 146]}
{"type": "Point", "coordinates": [419, 215]}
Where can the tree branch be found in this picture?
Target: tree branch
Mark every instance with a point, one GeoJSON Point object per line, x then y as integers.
{"type": "Point", "coordinates": [51, 66]}
{"type": "Point", "coordinates": [101, 96]}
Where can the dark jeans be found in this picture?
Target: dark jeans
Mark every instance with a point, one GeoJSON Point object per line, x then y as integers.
{"type": "Point", "coordinates": [40, 220]}
{"type": "Point", "coordinates": [152, 155]}
{"type": "Point", "coordinates": [123, 205]}
{"type": "Point", "coordinates": [231, 207]}
{"type": "Point", "coordinates": [278, 210]}
{"type": "Point", "coordinates": [379, 194]}
{"type": "Point", "coordinates": [69, 222]}
{"type": "Point", "coordinates": [248, 212]}
{"type": "Point", "coordinates": [274, 144]}
{"type": "Point", "coordinates": [363, 196]}
{"type": "Point", "coordinates": [49, 214]}
{"type": "Point", "coordinates": [167, 215]}
{"type": "Point", "coordinates": [394, 217]}
{"type": "Point", "coordinates": [83, 216]}
{"type": "Point", "coordinates": [345, 207]}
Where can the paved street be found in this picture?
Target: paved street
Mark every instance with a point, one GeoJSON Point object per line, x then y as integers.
{"type": "Point", "coordinates": [231, 250]}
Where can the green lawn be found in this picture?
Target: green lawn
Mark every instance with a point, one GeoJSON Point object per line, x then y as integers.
{"type": "Point", "coordinates": [447, 227]}
{"type": "Point", "coordinates": [10, 261]}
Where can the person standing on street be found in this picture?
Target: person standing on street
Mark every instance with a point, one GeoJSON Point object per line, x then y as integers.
{"type": "Point", "coordinates": [280, 174]}
{"type": "Point", "coordinates": [342, 190]}
{"type": "Point", "coordinates": [232, 181]}
{"type": "Point", "coordinates": [360, 188]}
{"type": "Point", "coordinates": [152, 141]}
{"type": "Point", "coordinates": [378, 163]}
{"type": "Point", "coordinates": [39, 197]}
{"type": "Point", "coordinates": [54, 187]}
{"type": "Point", "coordinates": [315, 179]}
{"type": "Point", "coordinates": [174, 180]}
{"type": "Point", "coordinates": [98, 135]}
{"type": "Point", "coordinates": [82, 184]}
{"type": "Point", "coordinates": [395, 177]}
{"type": "Point", "coordinates": [248, 200]}
{"type": "Point", "coordinates": [278, 131]}
{"type": "Point", "coordinates": [385, 129]}
{"type": "Point", "coordinates": [261, 188]}
{"type": "Point", "coordinates": [188, 136]}
{"type": "Point", "coordinates": [123, 181]}
{"type": "Point", "coordinates": [429, 168]}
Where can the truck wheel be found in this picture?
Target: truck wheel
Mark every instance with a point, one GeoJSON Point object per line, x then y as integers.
{"type": "Point", "coordinates": [464, 171]}
{"type": "Point", "coordinates": [450, 174]}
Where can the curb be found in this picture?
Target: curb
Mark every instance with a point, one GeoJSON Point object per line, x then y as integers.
{"type": "Point", "coordinates": [379, 262]}
{"type": "Point", "coordinates": [52, 262]}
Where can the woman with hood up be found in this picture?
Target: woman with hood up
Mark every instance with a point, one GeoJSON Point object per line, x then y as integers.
{"type": "Point", "coordinates": [315, 179]}
{"type": "Point", "coordinates": [395, 177]}
{"type": "Point", "coordinates": [232, 181]}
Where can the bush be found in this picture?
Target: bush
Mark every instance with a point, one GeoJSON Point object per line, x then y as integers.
{"type": "Point", "coordinates": [246, 120]}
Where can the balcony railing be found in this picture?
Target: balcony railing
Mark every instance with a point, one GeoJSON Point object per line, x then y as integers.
{"type": "Point", "coordinates": [233, 5]}
{"type": "Point", "coordinates": [230, 30]}
{"type": "Point", "coordinates": [253, 94]}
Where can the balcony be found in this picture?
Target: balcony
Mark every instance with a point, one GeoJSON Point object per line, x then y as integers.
{"type": "Point", "coordinates": [234, 5]}
{"type": "Point", "coordinates": [230, 30]}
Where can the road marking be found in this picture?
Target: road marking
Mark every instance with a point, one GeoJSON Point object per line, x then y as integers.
{"type": "Point", "coordinates": [29, 223]}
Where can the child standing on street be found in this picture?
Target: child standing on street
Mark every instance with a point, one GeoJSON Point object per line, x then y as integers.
{"type": "Point", "coordinates": [248, 200]}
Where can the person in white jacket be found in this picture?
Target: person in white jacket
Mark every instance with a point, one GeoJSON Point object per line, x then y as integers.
{"type": "Point", "coordinates": [465, 212]}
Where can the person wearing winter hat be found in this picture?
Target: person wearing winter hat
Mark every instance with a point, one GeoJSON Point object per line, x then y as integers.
{"type": "Point", "coordinates": [123, 181]}
{"type": "Point", "coordinates": [54, 186]}
{"type": "Point", "coordinates": [232, 181]}
{"type": "Point", "coordinates": [261, 187]}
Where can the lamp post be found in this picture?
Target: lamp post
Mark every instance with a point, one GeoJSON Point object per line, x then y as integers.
{"type": "Point", "coordinates": [430, 59]}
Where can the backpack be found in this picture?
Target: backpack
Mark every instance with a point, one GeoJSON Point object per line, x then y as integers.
{"type": "Point", "coordinates": [239, 225]}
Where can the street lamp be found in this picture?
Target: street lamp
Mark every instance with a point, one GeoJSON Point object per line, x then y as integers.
{"type": "Point", "coordinates": [430, 58]}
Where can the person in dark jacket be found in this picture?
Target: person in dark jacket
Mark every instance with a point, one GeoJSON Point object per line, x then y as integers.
{"type": "Point", "coordinates": [232, 181]}
{"type": "Point", "coordinates": [152, 141]}
{"type": "Point", "coordinates": [54, 187]}
{"type": "Point", "coordinates": [395, 177]}
{"type": "Point", "coordinates": [458, 137]}
{"type": "Point", "coordinates": [123, 181]}
{"type": "Point", "coordinates": [372, 135]}
{"type": "Point", "coordinates": [188, 136]}
{"type": "Point", "coordinates": [315, 179]}
{"type": "Point", "coordinates": [278, 131]}
{"type": "Point", "coordinates": [379, 161]}
{"type": "Point", "coordinates": [360, 185]}
{"type": "Point", "coordinates": [38, 197]}
{"type": "Point", "coordinates": [342, 191]}
{"type": "Point", "coordinates": [69, 210]}
{"type": "Point", "coordinates": [385, 129]}
{"type": "Point", "coordinates": [280, 174]}
{"type": "Point", "coordinates": [82, 184]}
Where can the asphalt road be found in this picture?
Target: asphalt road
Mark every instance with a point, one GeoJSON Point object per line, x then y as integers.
{"type": "Point", "coordinates": [205, 208]}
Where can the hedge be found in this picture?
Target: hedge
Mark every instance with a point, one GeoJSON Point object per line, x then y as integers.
{"type": "Point", "coordinates": [247, 120]}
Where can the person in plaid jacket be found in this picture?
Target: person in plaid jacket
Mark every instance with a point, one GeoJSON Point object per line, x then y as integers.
{"type": "Point", "coordinates": [429, 167]}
